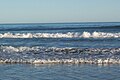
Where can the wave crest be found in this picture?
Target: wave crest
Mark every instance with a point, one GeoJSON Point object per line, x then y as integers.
{"type": "Point", "coordinates": [61, 35]}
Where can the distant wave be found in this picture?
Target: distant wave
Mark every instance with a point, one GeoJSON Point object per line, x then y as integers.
{"type": "Point", "coordinates": [58, 28]}
{"type": "Point", "coordinates": [61, 35]}
{"type": "Point", "coordinates": [51, 55]}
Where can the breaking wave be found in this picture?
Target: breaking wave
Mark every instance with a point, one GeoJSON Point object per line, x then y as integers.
{"type": "Point", "coordinates": [50, 55]}
{"type": "Point", "coordinates": [61, 35]}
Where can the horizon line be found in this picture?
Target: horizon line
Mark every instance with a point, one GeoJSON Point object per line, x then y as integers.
{"type": "Point", "coordinates": [59, 22]}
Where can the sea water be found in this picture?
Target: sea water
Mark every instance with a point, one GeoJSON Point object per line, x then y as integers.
{"type": "Point", "coordinates": [59, 45]}
{"type": "Point", "coordinates": [59, 72]}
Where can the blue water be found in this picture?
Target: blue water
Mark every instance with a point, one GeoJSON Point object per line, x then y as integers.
{"type": "Point", "coordinates": [64, 28]}
{"type": "Point", "coordinates": [59, 72]}
{"type": "Point", "coordinates": [55, 51]}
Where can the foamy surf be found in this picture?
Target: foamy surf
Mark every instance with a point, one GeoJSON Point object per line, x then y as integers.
{"type": "Point", "coordinates": [61, 35]}
{"type": "Point", "coordinates": [63, 61]}
{"type": "Point", "coordinates": [53, 55]}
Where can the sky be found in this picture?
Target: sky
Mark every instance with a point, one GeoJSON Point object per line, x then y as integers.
{"type": "Point", "coordinates": [50, 11]}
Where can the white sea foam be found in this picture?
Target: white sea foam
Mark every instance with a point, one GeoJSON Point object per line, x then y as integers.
{"type": "Point", "coordinates": [55, 49]}
{"type": "Point", "coordinates": [53, 55]}
{"type": "Point", "coordinates": [18, 49]}
{"type": "Point", "coordinates": [61, 35]}
{"type": "Point", "coordinates": [63, 61]}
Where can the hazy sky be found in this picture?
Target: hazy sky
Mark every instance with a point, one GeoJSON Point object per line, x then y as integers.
{"type": "Point", "coordinates": [39, 11]}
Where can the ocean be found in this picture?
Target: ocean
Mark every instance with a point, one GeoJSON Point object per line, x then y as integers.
{"type": "Point", "coordinates": [53, 50]}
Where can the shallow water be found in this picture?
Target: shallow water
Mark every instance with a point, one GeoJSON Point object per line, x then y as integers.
{"type": "Point", "coordinates": [59, 72]}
